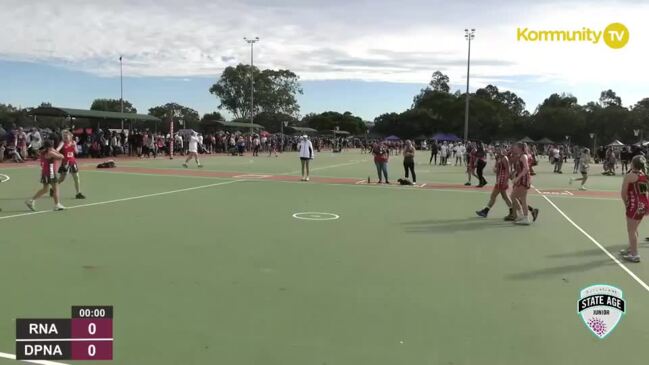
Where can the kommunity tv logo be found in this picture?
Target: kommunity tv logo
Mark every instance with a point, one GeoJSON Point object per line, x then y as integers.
{"type": "Point", "coordinates": [615, 35]}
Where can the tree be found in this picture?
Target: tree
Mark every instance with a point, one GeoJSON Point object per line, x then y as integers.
{"type": "Point", "coordinates": [440, 82]}
{"type": "Point", "coordinates": [272, 122]}
{"type": "Point", "coordinates": [188, 116]}
{"type": "Point", "coordinates": [275, 91]}
{"type": "Point", "coordinates": [328, 121]}
{"type": "Point", "coordinates": [609, 98]}
{"type": "Point", "coordinates": [112, 105]}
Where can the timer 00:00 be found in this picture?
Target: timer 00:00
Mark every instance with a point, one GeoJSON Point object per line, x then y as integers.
{"type": "Point", "coordinates": [90, 313]}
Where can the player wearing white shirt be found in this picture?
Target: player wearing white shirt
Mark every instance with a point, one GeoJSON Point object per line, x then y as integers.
{"type": "Point", "coordinates": [443, 154]}
{"type": "Point", "coordinates": [193, 150]}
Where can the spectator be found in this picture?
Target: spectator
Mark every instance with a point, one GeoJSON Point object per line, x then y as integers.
{"type": "Point", "coordinates": [381, 157]}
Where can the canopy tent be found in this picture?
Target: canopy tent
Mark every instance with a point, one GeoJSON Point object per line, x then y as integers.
{"type": "Point", "coordinates": [545, 140]}
{"type": "Point", "coordinates": [392, 138]}
{"type": "Point", "coordinates": [450, 137]}
{"type": "Point", "coordinates": [186, 132]}
{"type": "Point", "coordinates": [526, 140]}
{"type": "Point", "coordinates": [264, 133]}
{"type": "Point", "coordinates": [302, 130]}
{"type": "Point", "coordinates": [239, 125]}
{"type": "Point", "coordinates": [616, 143]}
{"type": "Point", "coordinates": [344, 133]}
{"type": "Point", "coordinates": [90, 114]}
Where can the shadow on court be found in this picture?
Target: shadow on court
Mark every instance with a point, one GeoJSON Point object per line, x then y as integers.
{"type": "Point", "coordinates": [559, 270]}
{"type": "Point", "coordinates": [454, 225]}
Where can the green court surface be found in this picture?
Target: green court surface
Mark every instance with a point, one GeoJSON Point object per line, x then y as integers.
{"type": "Point", "coordinates": [211, 267]}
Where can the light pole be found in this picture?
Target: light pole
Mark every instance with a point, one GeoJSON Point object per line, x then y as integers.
{"type": "Point", "coordinates": [252, 78]}
{"type": "Point", "coordinates": [468, 35]}
{"type": "Point", "coordinates": [592, 136]}
{"type": "Point", "coordinates": [121, 89]}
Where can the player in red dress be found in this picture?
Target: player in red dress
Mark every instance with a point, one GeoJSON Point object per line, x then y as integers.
{"type": "Point", "coordinates": [68, 148]}
{"type": "Point", "coordinates": [634, 196]}
{"type": "Point", "coordinates": [522, 183]}
{"type": "Point", "coordinates": [48, 158]}
{"type": "Point", "coordinates": [502, 183]}
{"type": "Point", "coordinates": [471, 163]}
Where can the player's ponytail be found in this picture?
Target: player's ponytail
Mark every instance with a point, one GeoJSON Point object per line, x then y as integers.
{"type": "Point", "coordinates": [639, 163]}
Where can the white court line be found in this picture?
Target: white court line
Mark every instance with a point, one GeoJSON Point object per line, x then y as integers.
{"type": "Point", "coordinates": [13, 357]}
{"type": "Point", "coordinates": [5, 179]}
{"type": "Point", "coordinates": [628, 271]}
{"type": "Point", "coordinates": [355, 162]}
{"type": "Point", "coordinates": [122, 199]}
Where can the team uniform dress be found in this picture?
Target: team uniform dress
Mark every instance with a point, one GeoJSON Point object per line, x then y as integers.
{"type": "Point", "coordinates": [502, 175]}
{"type": "Point", "coordinates": [526, 180]}
{"type": "Point", "coordinates": [69, 163]}
{"type": "Point", "coordinates": [637, 201]}
{"type": "Point", "coordinates": [48, 171]}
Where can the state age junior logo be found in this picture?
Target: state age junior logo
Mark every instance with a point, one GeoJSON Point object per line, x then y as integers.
{"type": "Point", "coordinates": [601, 307]}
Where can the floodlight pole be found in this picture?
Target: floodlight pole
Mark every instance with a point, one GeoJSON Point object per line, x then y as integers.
{"type": "Point", "coordinates": [252, 79]}
{"type": "Point", "coordinates": [468, 35]}
{"type": "Point", "coordinates": [121, 89]}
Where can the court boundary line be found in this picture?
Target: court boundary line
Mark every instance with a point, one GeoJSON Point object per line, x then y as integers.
{"type": "Point", "coordinates": [123, 199]}
{"type": "Point", "coordinates": [599, 245]}
{"type": "Point", "coordinates": [7, 176]}
{"type": "Point", "coordinates": [8, 356]}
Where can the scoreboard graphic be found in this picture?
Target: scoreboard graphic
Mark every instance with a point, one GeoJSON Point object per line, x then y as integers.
{"type": "Point", "coordinates": [87, 335]}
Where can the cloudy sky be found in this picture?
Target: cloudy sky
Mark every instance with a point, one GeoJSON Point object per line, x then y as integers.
{"type": "Point", "coordinates": [367, 57]}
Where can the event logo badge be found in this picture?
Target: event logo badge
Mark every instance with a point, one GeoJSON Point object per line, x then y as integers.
{"type": "Point", "coordinates": [601, 307]}
{"type": "Point", "coordinates": [615, 35]}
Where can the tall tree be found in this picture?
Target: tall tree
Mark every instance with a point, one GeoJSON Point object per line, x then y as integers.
{"type": "Point", "coordinates": [275, 91]}
{"type": "Point", "coordinates": [328, 121]}
{"type": "Point", "coordinates": [112, 105]}
{"type": "Point", "coordinates": [188, 116]}
{"type": "Point", "coordinates": [439, 82]}
{"type": "Point", "coordinates": [609, 98]}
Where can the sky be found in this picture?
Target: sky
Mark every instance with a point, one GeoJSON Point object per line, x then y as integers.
{"type": "Point", "coordinates": [366, 57]}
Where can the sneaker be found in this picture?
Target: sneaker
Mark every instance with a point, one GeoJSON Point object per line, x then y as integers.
{"type": "Point", "coordinates": [467, 184]}
{"type": "Point", "coordinates": [523, 221]}
{"type": "Point", "coordinates": [80, 196]}
{"type": "Point", "coordinates": [631, 258]}
{"type": "Point", "coordinates": [59, 207]}
{"type": "Point", "coordinates": [582, 188]}
{"type": "Point", "coordinates": [200, 166]}
{"type": "Point", "coordinates": [625, 252]}
{"type": "Point", "coordinates": [307, 179]}
{"type": "Point", "coordinates": [387, 182]}
{"type": "Point", "coordinates": [31, 205]}
{"type": "Point", "coordinates": [185, 165]}
{"type": "Point", "coordinates": [535, 214]}
{"type": "Point", "coordinates": [509, 218]}
{"type": "Point", "coordinates": [482, 213]}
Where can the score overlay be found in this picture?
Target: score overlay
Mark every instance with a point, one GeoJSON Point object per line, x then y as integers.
{"type": "Point", "coordinates": [87, 335]}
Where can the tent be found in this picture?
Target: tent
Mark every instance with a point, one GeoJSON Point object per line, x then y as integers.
{"type": "Point", "coordinates": [615, 143]}
{"type": "Point", "coordinates": [526, 140]}
{"type": "Point", "coordinates": [545, 140]}
{"type": "Point", "coordinates": [392, 138]}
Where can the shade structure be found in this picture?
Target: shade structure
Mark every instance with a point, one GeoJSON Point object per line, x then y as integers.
{"type": "Point", "coordinates": [526, 140]}
{"type": "Point", "coordinates": [615, 143]}
{"type": "Point", "coordinates": [545, 141]}
{"type": "Point", "coordinates": [449, 137]}
{"type": "Point", "coordinates": [392, 138]}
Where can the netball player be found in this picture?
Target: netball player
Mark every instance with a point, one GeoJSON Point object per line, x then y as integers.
{"type": "Point", "coordinates": [584, 164]}
{"type": "Point", "coordinates": [48, 156]}
{"type": "Point", "coordinates": [502, 184]}
{"type": "Point", "coordinates": [68, 148]}
{"type": "Point", "coordinates": [193, 150]}
{"type": "Point", "coordinates": [522, 183]}
{"type": "Point", "coordinates": [634, 196]}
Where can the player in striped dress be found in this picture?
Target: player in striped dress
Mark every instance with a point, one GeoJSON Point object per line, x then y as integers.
{"type": "Point", "coordinates": [502, 184]}
{"type": "Point", "coordinates": [634, 196]}
{"type": "Point", "coordinates": [522, 182]}
{"type": "Point", "coordinates": [69, 164]}
{"type": "Point", "coordinates": [48, 157]}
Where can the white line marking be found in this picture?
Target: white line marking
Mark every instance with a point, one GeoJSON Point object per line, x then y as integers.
{"type": "Point", "coordinates": [123, 199]}
{"type": "Point", "coordinates": [4, 178]}
{"type": "Point", "coordinates": [251, 176]}
{"type": "Point", "coordinates": [316, 216]}
{"type": "Point", "coordinates": [13, 357]}
{"type": "Point", "coordinates": [628, 271]}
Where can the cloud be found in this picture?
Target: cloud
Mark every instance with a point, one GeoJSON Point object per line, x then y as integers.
{"type": "Point", "coordinates": [397, 41]}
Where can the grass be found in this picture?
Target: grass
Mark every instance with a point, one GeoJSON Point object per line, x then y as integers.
{"type": "Point", "coordinates": [215, 270]}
